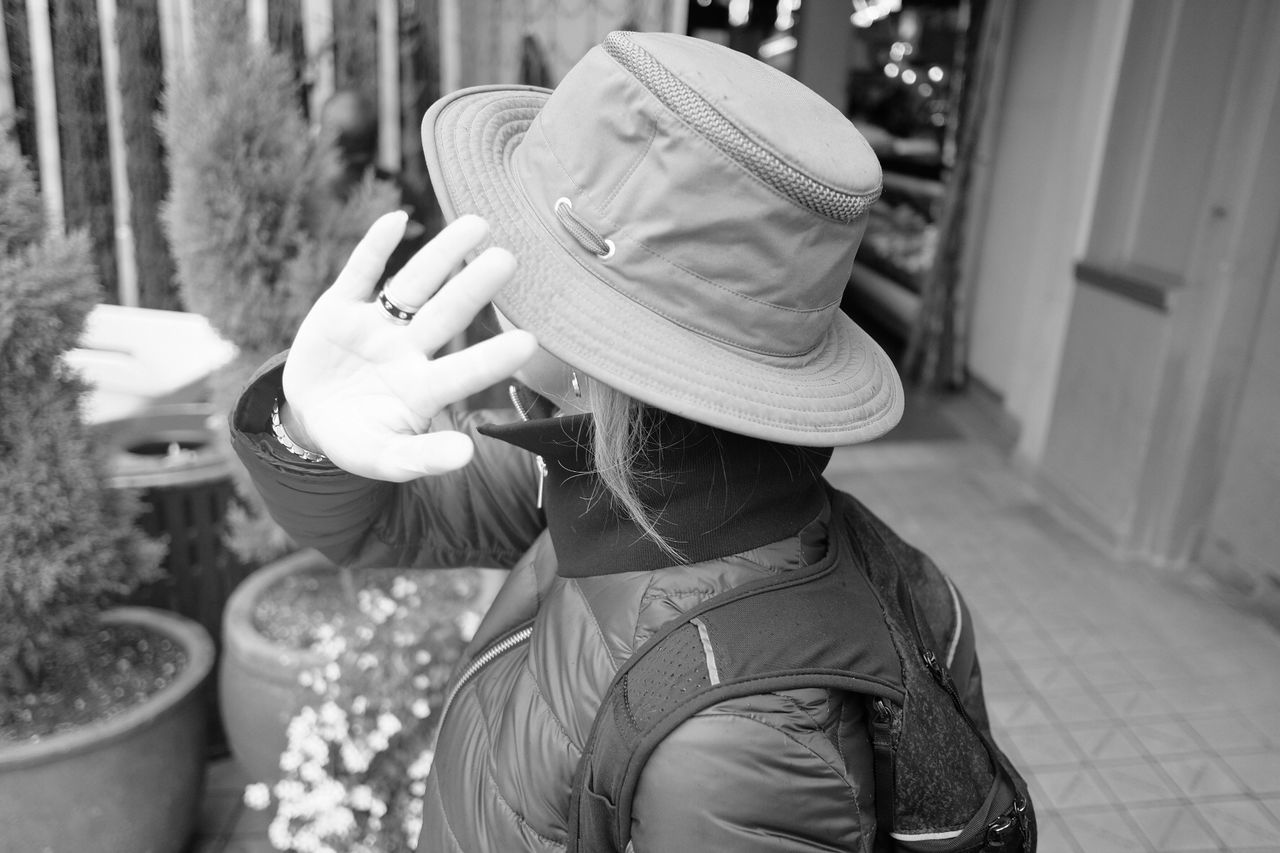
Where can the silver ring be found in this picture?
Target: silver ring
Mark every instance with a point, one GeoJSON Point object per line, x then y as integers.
{"type": "Point", "coordinates": [395, 313]}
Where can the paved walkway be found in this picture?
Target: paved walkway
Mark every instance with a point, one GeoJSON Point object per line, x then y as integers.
{"type": "Point", "coordinates": [1145, 710]}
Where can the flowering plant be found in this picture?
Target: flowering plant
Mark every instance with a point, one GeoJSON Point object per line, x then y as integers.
{"type": "Point", "coordinates": [358, 753]}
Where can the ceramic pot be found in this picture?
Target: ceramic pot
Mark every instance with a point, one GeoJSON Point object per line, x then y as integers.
{"type": "Point", "coordinates": [132, 782]}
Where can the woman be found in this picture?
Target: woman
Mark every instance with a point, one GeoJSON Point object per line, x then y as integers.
{"type": "Point", "coordinates": [684, 219]}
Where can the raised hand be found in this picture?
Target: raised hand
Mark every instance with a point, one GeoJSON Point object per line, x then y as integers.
{"type": "Point", "coordinates": [362, 388]}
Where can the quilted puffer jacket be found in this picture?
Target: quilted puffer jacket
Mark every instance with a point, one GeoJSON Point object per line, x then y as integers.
{"type": "Point", "coordinates": [782, 771]}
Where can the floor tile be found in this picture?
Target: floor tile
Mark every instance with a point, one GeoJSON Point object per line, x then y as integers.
{"type": "Point", "coordinates": [1242, 824]}
{"type": "Point", "coordinates": [1166, 737]}
{"type": "Point", "coordinates": [1227, 732]}
{"type": "Point", "coordinates": [1104, 830]}
{"type": "Point", "coordinates": [1085, 707]}
{"type": "Point", "coordinates": [1259, 771]}
{"type": "Point", "coordinates": [1106, 741]}
{"type": "Point", "coordinates": [1105, 670]}
{"type": "Point", "coordinates": [1171, 828]}
{"type": "Point", "coordinates": [1052, 835]}
{"type": "Point", "coordinates": [1044, 746]}
{"type": "Point", "coordinates": [1199, 777]}
{"type": "Point", "coordinates": [1071, 788]}
{"type": "Point", "coordinates": [1134, 703]}
{"type": "Point", "coordinates": [1051, 677]}
{"type": "Point", "coordinates": [1017, 710]}
{"type": "Point", "coordinates": [1137, 782]}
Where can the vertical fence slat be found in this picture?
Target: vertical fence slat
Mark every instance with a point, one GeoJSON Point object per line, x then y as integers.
{"type": "Point", "coordinates": [46, 102]}
{"type": "Point", "coordinates": [126, 262]}
{"type": "Point", "coordinates": [450, 42]}
{"type": "Point", "coordinates": [317, 34]}
{"type": "Point", "coordinates": [389, 85]}
{"type": "Point", "coordinates": [256, 17]}
{"type": "Point", "coordinates": [172, 39]}
{"type": "Point", "coordinates": [8, 106]}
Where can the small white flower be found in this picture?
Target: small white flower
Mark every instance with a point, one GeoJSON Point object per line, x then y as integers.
{"type": "Point", "coordinates": [305, 678]}
{"type": "Point", "coordinates": [422, 657]}
{"type": "Point", "coordinates": [421, 708]}
{"type": "Point", "coordinates": [257, 796]}
{"type": "Point", "coordinates": [421, 681]}
{"type": "Point", "coordinates": [359, 705]}
{"type": "Point", "coordinates": [378, 741]}
{"type": "Point", "coordinates": [422, 766]}
{"type": "Point", "coordinates": [388, 723]}
{"type": "Point", "coordinates": [332, 671]}
{"type": "Point", "coordinates": [279, 835]}
{"type": "Point", "coordinates": [355, 759]}
{"type": "Point", "coordinates": [290, 760]}
{"type": "Point", "coordinates": [467, 621]}
{"type": "Point", "coordinates": [360, 797]}
{"type": "Point", "coordinates": [417, 788]}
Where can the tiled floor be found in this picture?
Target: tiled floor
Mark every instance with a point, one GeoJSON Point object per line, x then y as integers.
{"type": "Point", "coordinates": [1145, 710]}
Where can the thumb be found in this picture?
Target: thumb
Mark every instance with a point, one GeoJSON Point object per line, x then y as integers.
{"type": "Point", "coordinates": [408, 457]}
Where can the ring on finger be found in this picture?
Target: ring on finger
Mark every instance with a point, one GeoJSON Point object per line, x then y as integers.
{"type": "Point", "coordinates": [395, 312]}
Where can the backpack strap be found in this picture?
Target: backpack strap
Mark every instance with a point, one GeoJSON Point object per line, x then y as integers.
{"type": "Point", "coordinates": [744, 642]}
{"type": "Point", "coordinates": [847, 623]}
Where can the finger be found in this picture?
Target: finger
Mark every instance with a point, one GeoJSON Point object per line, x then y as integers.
{"type": "Point", "coordinates": [426, 386]}
{"type": "Point", "coordinates": [407, 457]}
{"type": "Point", "coordinates": [431, 265]}
{"type": "Point", "coordinates": [369, 258]}
{"type": "Point", "coordinates": [462, 298]}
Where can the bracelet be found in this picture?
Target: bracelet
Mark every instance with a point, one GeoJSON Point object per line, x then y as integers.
{"type": "Point", "coordinates": [277, 429]}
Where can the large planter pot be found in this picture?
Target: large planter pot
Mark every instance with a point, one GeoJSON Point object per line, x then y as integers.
{"type": "Point", "coordinates": [258, 685]}
{"type": "Point", "coordinates": [132, 782]}
{"type": "Point", "coordinates": [259, 680]}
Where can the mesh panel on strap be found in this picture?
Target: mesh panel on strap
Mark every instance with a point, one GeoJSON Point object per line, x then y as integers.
{"type": "Point", "coordinates": [685, 102]}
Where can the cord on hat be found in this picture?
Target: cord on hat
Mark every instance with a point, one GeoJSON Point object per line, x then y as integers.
{"type": "Point", "coordinates": [590, 239]}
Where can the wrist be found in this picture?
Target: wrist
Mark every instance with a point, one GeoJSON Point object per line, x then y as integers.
{"type": "Point", "coordinates": [290, 432]}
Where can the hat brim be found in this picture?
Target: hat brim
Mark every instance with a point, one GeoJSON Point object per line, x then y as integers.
{"type": "Point", "coordinates": [844, 391]}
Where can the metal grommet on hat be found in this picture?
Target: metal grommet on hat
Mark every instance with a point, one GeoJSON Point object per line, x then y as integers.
{"type": "Point", "coordinates": [395, 312]}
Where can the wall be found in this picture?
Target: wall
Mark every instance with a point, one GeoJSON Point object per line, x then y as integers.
{"type": "Point", "coordinates": [1048, 149]}
{"type": "Point", "coordinates": [1242, 545]}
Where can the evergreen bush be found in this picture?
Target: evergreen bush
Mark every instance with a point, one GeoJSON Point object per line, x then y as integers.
{"type": "Point", "coordinates": [256, 231]}
{"type": "Point", "coordinates": [68, 544]}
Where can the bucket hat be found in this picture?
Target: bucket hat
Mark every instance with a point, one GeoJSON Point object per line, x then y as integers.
{"type": "Point", "coordinates": [685, 219]}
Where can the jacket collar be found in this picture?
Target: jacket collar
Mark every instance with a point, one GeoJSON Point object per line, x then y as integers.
{"type": "Point", "coordinates": [714, 493]}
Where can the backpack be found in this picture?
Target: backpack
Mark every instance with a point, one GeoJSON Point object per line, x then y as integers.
{"type": "Point", "coordinates": [857, 621]}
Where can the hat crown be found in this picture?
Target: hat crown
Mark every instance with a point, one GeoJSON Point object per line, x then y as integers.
{"type": "Point", "coordinates": [830, 169]}
{"type": "Point", "coordinates": [735, 196]}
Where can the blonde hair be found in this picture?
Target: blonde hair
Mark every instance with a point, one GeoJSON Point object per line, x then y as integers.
{"type": "Point", "coordinates": [624, 429]}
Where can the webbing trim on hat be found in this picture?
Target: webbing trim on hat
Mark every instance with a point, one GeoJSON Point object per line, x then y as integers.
{"type": "Point", "coordinates": [689, 105]}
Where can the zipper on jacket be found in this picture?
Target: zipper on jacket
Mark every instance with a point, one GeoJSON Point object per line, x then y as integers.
{"type": "Point", "coordinates": [514, 394]}
{"type": "Point", "coordinates": [499, 648]}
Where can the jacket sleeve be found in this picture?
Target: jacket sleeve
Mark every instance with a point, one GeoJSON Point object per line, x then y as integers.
{"type": "Point", "coordinates": [481, 515]}
{"type": "Point", "coordinates": [781, 772]}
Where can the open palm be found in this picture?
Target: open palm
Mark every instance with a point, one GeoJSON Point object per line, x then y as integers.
{"type": "Point", "coordinates": [363, 390]}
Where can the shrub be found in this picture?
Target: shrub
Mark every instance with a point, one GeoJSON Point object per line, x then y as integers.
{"type": "Point", "coordinates": [67, 542]}
{"type": "Point", "coordinates": [256, 231]}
